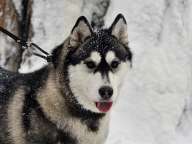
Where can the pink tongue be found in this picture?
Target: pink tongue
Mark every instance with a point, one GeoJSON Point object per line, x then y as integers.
{"type": "Point", "coordinates": [104, 106]}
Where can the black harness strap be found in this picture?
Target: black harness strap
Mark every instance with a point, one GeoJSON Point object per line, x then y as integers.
{"type": "Point", "coordinates": [28, 44]}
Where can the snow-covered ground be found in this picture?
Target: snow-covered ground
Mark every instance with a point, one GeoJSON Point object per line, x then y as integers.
{"type": "Point", "coordinates": [155, 106]}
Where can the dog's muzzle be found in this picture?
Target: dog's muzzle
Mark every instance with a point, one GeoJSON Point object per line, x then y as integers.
{"type": "Point", "coordinates": [105, 104]}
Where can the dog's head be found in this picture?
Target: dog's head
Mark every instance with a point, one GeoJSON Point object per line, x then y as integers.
{"type": "Point", "coordinates": [93, 64]}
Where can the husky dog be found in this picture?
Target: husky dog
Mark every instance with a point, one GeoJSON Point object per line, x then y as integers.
{"type": "Point", "coordinates": [69, 100]}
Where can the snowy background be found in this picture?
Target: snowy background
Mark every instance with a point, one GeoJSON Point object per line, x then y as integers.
{"type": "Point", "coordinates": [155, 106]}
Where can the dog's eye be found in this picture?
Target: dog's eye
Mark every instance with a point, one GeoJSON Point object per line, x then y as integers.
{"type": "Point", "coordinates": [90, 64]}
{"type": "Point", "coordinates": [114, 64]}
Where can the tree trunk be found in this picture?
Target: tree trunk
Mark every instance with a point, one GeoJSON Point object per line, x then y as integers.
{"type": "Point", "coordinates": [9, 51]}
{"type": "Point", "coordinates": [53, 20]}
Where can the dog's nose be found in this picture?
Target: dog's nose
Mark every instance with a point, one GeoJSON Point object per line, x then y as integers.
{"type": "Point", "coordinates": [106, 92]}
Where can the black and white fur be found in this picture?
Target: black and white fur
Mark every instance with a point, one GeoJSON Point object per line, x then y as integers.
{"type": "Point", "coordinates": [56, 104]}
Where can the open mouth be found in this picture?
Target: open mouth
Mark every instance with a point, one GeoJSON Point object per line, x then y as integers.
{"type": "Point", "coordinates": [103, 106]}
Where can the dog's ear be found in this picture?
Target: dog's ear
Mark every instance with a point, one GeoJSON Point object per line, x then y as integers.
{"type": "Point", "coordinates": [119, 29]}
{"type": "Point", "coordinates": [80, 32]}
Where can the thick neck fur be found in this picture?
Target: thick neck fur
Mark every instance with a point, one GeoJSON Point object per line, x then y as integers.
{"type": "Point", "coordinates": [60, 106]}
{"type": "Point", "coordinates": [86, 127]}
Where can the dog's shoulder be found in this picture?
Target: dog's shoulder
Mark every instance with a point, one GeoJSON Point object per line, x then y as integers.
{"type": "Point", "coordinates": [8, 81]}
{"type": "Point", "coordinates": [12, 81]}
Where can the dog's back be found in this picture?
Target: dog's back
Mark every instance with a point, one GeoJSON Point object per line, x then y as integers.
{"type": "Point", "coordinates": [6, 90]}
{"type": "Point", "coordinates": [6, 82]}
{"type": "Point", "coordinates": [11, 81]}
{"type": "Point", "coordinates": [11, 85]}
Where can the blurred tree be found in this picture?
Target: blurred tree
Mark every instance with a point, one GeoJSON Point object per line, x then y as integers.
{"type": "Point", "coordinates": [44, 22]}
{"type": "Point", "coordinates": [10, 54]}
{"type": "Point", "coordinates": [96, 10]}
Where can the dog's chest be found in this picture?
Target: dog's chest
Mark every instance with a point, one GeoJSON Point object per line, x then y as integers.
{"type": "Point", "coordinates": [84, 134]}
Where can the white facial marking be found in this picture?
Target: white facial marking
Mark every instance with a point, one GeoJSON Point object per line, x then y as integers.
{"type": "Point", "coordinates": [95, 56]}
{"type": "Point", "coordinates": [110, 56]}
{"type": "Point", "coordinates": [85, 84]}
{"type": "Point", "coordinates": [116, 79]}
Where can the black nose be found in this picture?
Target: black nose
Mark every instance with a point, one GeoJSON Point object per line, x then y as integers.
{"type": "Point", "coordinates": [106, 92]}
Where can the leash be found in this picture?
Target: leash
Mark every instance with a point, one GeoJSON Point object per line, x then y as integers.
{"type": "Point", "coordinates": [28, 44]}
